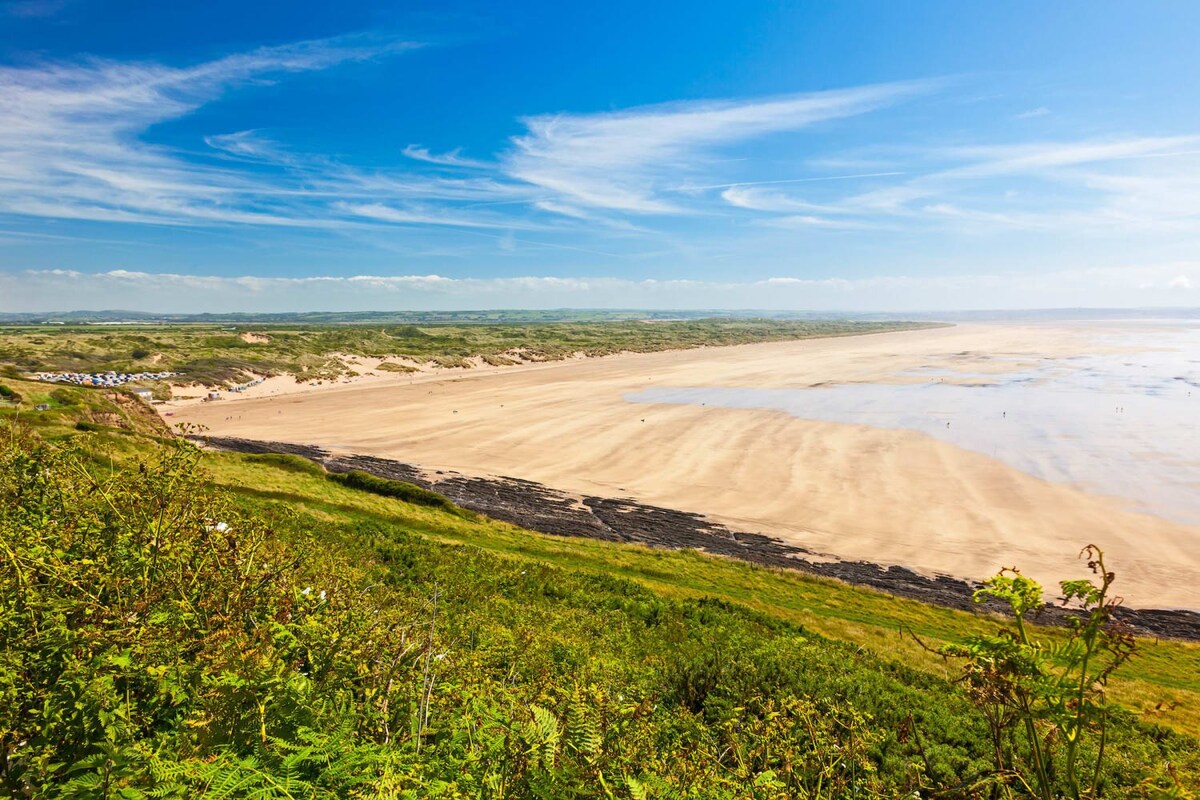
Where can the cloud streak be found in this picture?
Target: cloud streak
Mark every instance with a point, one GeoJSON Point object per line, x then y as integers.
{"type": "Point", "coordinates": [1078, 187]}
{"type": "Point", "coordinates": [71, 145]}
{"type": "Point", "coordinates": [452, 158]}
{"type": "Point", "coordinates": [623, 161]}
{"type": "Point", "coordinates": [62, 290]}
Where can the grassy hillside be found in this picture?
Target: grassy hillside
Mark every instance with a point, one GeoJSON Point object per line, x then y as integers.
{"type": "Point", "coordinates": [214, 354]}
{"type": "Point", "coordinates": [175, 623]}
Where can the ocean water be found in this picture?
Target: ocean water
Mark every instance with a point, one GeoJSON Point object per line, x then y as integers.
{"type": "Point", "coordinates": [1124, 424]}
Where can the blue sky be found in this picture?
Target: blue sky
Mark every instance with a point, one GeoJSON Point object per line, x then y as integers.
{"type": "Point", "coordinates": [366, 155]}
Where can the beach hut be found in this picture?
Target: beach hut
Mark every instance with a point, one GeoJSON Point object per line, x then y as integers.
{"type": "Point", "coordinates": [214, 396]}
{"type": "Point", "coordinates": [145, 394]}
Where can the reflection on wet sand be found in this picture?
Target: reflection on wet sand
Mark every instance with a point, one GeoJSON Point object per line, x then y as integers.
{"type": "Point", "coordinates": [1123, 423]}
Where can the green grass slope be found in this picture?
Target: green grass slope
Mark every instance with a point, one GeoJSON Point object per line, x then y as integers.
{"type": "Point", "coordinates": [176, 623]}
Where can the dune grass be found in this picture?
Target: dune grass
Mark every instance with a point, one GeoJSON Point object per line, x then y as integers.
{"type": "Point", "coordinates": [213, 354]}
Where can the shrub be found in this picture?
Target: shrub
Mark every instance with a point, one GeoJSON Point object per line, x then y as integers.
{"type": "Point", "coordinates": [450, 362]}
{"type": "Point", "coordinates": [287, 461]}
{"type": "Point", "coordinates": [1051, 698]}
{"type": "Point", "coordinates": [392, 366]}
{"type": "Point", "coordinates": [157, 641]}
{"type": "Point", "coordinates": [400, 490]}
{"type": "Point", "coordinates": [223, 370]}
{"type": "Point", "coordinates": [64, 397]}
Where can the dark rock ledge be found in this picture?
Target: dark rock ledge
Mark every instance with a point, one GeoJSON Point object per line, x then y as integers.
{"type": "Point", "coordinates": [536, 507]}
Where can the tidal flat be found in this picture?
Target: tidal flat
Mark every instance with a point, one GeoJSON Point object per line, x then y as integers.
{"type": "Point", "coordinates": [1124, 421]}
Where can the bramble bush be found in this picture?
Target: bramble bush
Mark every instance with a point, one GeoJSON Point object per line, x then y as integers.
{"type": "Point", "coordinates": [144, 619]}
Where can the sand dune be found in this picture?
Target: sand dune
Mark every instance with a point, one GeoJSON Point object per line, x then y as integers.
{"type": "Point", "coordinates": [856, 491]}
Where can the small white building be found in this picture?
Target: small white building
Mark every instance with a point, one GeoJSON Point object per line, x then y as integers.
{"type": "Point", "coordinates": [145, 394]}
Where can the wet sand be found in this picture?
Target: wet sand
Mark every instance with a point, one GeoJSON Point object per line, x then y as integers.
{"type": "Point", "coordinates": [889, 495]}
{"type": "Point", "coordinates": [1122, 422]}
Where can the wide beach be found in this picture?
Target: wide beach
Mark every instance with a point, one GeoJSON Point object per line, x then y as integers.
{"type": "Point", "coordinates": [953, 450]}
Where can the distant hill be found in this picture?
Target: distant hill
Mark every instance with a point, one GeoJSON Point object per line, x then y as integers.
{"type": "Point", "coordinates": [493, 316]}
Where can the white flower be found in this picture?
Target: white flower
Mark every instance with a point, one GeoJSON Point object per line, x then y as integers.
{"type": "Point", "coordinates": [322, 595]}
{"type": "Point", "coordinates": [306, 591]}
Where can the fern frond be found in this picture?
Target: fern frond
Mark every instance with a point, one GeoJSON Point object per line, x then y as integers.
{"type": "Point", "coordinates": [583, 731]}
{"type": "Point", "coordinates": [544, 736]}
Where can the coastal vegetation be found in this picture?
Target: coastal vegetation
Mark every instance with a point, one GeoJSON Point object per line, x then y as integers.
{"type": "Point", "coordinates": [176, 623]}
{"type": "Point", "coordinates": [399, 490]}
{"type": "Point", "coordinates": [214, 355]}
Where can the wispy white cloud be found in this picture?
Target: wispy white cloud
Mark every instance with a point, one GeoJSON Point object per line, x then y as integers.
{"type": "Point", "coordinates": [563, 209]}
{"type": "Point", "coordinates": [73, 147]}
{"type": "Point", "coordinates": [810, 221]}
{"type": "Point", "coordinates": [468, 224]}
{"type": "Point", "coordinates": [810, 179]}
{"type": "Point", "coordinates": [453, 158]}
{"type": "Point", "coordinates": [756, 199]}
{"type": "Point", "coordinates": [1107, 185]}
{"type": "Point", "coordinates": [1114, 185]}
{"type": "Point", "coordinates": [419, 216]}
{"type": "Point", "coordinates": [625, 160]}
{"type": "Point", "coordinates": [250, 145]}
{"type": "Point", "coordinates": [71, 142]}
{"type": "Point", "coordinates": [1040, 111]}
{"type": "Point", "coordinates": [1039, 157]}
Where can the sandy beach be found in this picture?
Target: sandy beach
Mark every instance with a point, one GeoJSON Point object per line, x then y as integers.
{"type": "Point", "coordinates": [892, 495]}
